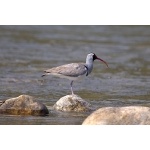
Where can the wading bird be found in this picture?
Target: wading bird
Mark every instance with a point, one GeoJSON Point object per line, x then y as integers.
{"type": "Point", "coordinates": [74, 71]}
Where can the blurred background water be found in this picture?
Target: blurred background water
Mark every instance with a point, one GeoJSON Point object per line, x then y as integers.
{"type": "Point", "coordinates": [25, 51]}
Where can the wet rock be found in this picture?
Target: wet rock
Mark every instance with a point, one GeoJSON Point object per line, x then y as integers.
{"type": "Point", "coordinates": [132, 115]}
{"type": "Point", "coordinates": [72, 103]}
{"type": "Point", "coordinates": [23, 105]}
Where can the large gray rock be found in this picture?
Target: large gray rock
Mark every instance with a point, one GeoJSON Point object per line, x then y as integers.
{"type": "Point", "coordinates": [23, 105]}
{"type": "Point", "coordinates": [72, 103]}
{"type": "Point", "coordinates": [132, 115]}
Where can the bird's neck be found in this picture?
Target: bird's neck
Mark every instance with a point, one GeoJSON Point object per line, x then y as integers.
{"type": "Point", "coordinates": [89, 64]}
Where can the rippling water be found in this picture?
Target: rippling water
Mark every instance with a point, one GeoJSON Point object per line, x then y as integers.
{"type": "Point", "coordinates": [25, 51]}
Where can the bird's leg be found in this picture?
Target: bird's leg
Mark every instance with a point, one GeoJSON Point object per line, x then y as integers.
{"type": "Point", "coordinates": [71, 88]}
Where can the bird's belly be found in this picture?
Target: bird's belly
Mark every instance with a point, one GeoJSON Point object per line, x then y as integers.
{"type": "Point", "coordinates": [67, 77]}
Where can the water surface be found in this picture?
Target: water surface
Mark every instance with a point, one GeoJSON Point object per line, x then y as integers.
{"type": "Point", "coordinates": [25, 51]}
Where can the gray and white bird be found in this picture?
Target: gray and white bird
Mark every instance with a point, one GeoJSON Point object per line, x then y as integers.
{"type": "Point", "coordinates": [74, 71]}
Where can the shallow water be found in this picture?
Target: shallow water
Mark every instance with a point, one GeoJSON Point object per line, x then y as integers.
{"type": "Point", "coordinates": [25, 51]}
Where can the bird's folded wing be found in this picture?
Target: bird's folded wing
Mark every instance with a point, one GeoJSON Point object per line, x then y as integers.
{"type": "Point", "coordinates": [72, 70]}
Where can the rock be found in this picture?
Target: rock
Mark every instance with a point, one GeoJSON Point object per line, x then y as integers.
{"type": "Point", "coordinates": [72, 103]}
{"type": "Point", "coordinates": [132, 115]}
{"type": "Point", "coordinates": [23, 105]}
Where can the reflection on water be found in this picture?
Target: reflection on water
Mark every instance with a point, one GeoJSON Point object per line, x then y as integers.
{"type": "Point", "coordinates": [25, 51]}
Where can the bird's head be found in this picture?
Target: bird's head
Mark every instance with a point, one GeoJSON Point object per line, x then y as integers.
{"type": "Point", "coordinates": [94, 57]}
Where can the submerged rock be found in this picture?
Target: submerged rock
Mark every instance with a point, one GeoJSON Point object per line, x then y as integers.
{"type": "Point", "coordinates": [72, 103]}
{"type": "Point", "coordinates": [23, 105]}
{"type": "Point", "coordinates": [132, 115]}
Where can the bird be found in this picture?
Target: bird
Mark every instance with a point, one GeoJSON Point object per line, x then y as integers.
{"type": "Point", "coordinates": [74, 71]}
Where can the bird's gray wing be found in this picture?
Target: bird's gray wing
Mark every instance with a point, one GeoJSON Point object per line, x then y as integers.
{"type": "Point", "coordinates": [72, 70]}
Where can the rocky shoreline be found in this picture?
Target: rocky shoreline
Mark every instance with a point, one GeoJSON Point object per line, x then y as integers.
{"type": "Point", "coordinates": [28, 105]}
